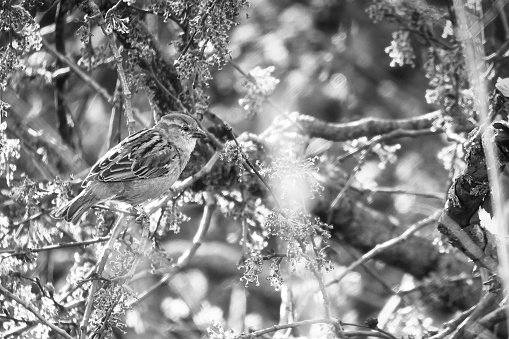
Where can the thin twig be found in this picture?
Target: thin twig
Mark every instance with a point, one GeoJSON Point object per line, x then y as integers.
{"type": "Point", "coordinates": [345, 187]}
{"type": "Point", "coordinates": [183, 260]}
{"type": "Point", "coordinates": [389, 136]}
{"type": "Point", "coordinates": [386, 245]}
{"type": "Point", "coordinates": [170, 16]}
{"type": "Point", "coordinates": [142, 249]}
{"type": "Point", "coordinates": [104, 320]}
{"type": "Point", "coordinates": [167, 91]}
{"type": "Point", "coordinates": [113, 209]}
{"type": "Point", "coordinates": [296, 324]}
{"type": "Point", "coordinates": [111, 139]}
{"type": "Point", "coordinates": [57, 246]}
{"type": "Point", "coordinates": [112, 41]}
{"type": "Point", "coordinates": [82, 75]}
{"type": "Point", "coordinates": [315, 269]}
{"type": "Point", "coordinates": [210, 206]}
{"type": "Point", "coordinates": [255, 171]}
{"type": "Point", "coordinates": [99, 268]}
{"type": "Point", "coordinates": [451, 325]}
{"type": "Point", "coordinates": [319, 278]}
{"type": "Point", "coordinates": [486, 304]}
{"type": "Point", "coordinates": [32, 309]}
{"type": "Point", "coordinates": [18, 330]}
{"type": "Point", "coordinates": [390, 190]}
{"type": "Point", "coordinates": [32, 217]}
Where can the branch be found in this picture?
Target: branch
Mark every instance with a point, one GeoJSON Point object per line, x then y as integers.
{"type": "Point", "coordinates": [389, 136]}
{"type": "Point", "coordinates": [167, 76]}
{"type": "Point", "coordinates": [18, 330]}
{"type": "Point", "coordinates": [368, 127]}
{"type": "Point", "coordinates": [65, 127]}
{"type": "Point", "coordinates": [54, 247]}
{"type": "Point", "coordinates": [315, 269]}
{"type": "Point", "coordinates": [461, 239]}
{"type": "Point", "coordinates": [108, 248]}
{"type": "Point", "coordinates": [296, 324]}
{"type": "Point", "coordinates": [32, 309]}
{"type": "Point", "coordinates": [487, 303]}
{"type": "Point", "coordinates": [386, 245]}
{"type": "Point", "coordinates": [183, 260]}
{"type": "Point", "coordinates": [390, 190]}
{"type": "Point", "coordinates": [494, 317]}
{"type": "Point", "coordinates": [60, 157]}
{"type": "Point", "coordinates": [453, 324]}
{"type": "Point", "coordinates": [81, 74]}
{"type": "Point", "coordinates": [113, 137]}
{"type": "Point", "coordinates": [469, 191]}
{"type": "Point", "coordinates": [112, 41]}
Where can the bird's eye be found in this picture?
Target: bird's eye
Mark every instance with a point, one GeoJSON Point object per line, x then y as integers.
{"type": "Point", "coordinates": [185, 128]}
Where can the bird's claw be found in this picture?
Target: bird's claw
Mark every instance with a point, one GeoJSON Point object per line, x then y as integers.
{"type": "Point", "coordinates": [142, 216]}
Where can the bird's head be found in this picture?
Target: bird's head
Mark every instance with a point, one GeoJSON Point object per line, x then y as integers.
{"type": "Point", "coordinates": [180, 126]}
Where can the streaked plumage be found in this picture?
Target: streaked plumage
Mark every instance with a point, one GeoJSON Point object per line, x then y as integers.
{"type": "Point", "coordinates": [141, 167]}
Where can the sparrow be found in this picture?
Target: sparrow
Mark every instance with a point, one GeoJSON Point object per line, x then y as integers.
{"type": "Point", "coordinates": [141, 167]}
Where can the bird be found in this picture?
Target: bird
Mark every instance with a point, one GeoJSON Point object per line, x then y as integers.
{"type": "Point", "coordinates": [141, 167]}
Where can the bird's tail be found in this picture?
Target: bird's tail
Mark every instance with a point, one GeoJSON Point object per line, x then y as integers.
{"type": "Point", "coordinates": [74, 209]}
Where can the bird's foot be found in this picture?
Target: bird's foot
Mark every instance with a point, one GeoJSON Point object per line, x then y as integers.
{"type": "Point", "coordinates": [141, 216]}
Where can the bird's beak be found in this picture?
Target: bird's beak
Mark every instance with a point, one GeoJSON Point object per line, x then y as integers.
{"type": "Point", "coordinates": [198, 134]}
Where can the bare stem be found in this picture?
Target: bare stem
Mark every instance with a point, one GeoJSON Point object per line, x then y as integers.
{"type": "Point", "coordinates": [183, 260]}
{"type": "Point", "coordinates": [116, 231]}
{"type": "Point", "coordinates": [296, 324]}
{"type": "Point", "coordinates": [32, 309]}
{"type": "Point", "coordinates": [112, 41]}
{"type": "Point", "coordinates": [54, 247]}
{"type": "Point", "coordinates": [390, 190]}
{"type": "Point", "coordinates": [82, 75]}
{"type": "Point", "coordinates": [386, 245]}
{"type": "Point", "coordinates": [255, 171]}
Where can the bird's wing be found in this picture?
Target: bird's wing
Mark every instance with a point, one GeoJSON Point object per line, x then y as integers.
{"type": "Point", "coordinates": [143, 155]}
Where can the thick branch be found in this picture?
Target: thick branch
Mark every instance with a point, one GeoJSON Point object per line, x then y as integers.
{"type": "Point", "coordinates": [65, 127]}
{"type": "Point", "coordinates": [468, 193]}
{"type": "Point", "coordinates": [368, 127]}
